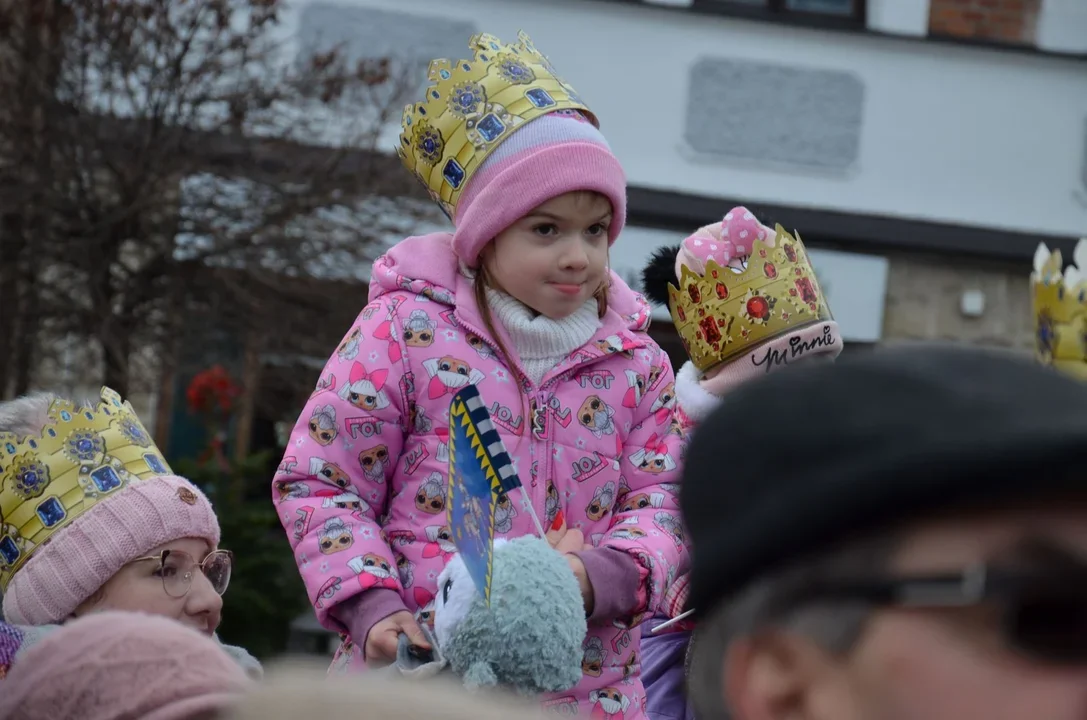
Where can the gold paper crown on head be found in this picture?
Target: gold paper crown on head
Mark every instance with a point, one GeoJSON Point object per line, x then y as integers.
{"type": "Point", "coordinates": [80, 457]}
{"type": "Point", "coordinates": [729, 310]}
{"type": "Point", "coordinates": [472, 106]}
{"type": "Point", "coordinates": [1060, 309]}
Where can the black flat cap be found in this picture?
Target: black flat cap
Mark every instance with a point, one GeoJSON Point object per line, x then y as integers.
{"type": "Point", "coordinates": [797, 461]}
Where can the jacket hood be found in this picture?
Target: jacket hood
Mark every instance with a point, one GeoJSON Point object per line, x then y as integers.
{"type": "Point", "coordinates": [427, 265]}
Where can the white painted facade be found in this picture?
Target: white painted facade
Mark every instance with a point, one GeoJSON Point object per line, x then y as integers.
{"type": "Point", "coordinates": [947, 133]}
{"type": "Point", "coordinates": [1062, 27]}
{"type": "Point", "coordinates": [951, 133]}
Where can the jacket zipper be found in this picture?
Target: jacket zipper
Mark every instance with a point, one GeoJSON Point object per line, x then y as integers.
{"type": "Point", "coordinates": [542, 398]}
{"type": "Point", "coordinates": [540, 448]}
{"type": "Point", "coordinates": [517, 374]}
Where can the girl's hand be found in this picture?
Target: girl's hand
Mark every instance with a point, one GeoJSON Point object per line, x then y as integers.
{"type": "Point", "coordinates": [566, 542]}
{"type": "Point", "coordinates": [557, 530]}
{"type": "Point", "coordinates": [571, 541]}
{"type": "Point", "coordinates": [583, 581]}
{"type": "Point", "coordinates": [384, 637]}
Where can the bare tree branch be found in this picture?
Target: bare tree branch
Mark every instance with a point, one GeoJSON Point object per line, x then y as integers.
{"type": "Point", "coordinates": [150, 149]}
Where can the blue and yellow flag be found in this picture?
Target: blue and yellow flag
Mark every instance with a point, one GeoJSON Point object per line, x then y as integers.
{"type": "Point", "coordinates": [480, 471]}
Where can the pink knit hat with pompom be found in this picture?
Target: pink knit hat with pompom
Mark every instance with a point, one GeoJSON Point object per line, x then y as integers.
{"type": "Point", "coordinates": [114, 665]}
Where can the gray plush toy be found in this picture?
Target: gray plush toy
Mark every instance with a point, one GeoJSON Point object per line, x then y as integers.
{"type": "Point", "coordinates": [528, 640]}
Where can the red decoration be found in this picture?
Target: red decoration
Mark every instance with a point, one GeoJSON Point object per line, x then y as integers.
{"type": "Point", "coordinates": [211, 391]}
{"type": "Point", "coordinates": [790, 252]}
{"type": "Point", "coordinates": [722, 291]}
{"type": "Point", "coordinates": [758, 308]}
{"type": "Point", "coordinates": [709, 330]}
{"type": "Point", "coordinates": [212, 394]}
{"type": "Point", "coordinates": [770, 270]}
{"type": "Point", "coordinates": [696, 296]}
{"type": "Point", "coordinates": [807, 292]}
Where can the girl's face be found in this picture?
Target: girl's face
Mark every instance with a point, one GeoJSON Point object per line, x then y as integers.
{"type": "Point", "coordinates": [555, 258]}
{"type": "Point", "coordinates": [138, 587]}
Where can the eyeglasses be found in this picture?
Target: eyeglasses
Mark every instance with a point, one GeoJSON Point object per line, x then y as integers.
{"type": "Point", "coordinates": [177, 567]}
{"type": "Point", "coordinates": [1043, 614]}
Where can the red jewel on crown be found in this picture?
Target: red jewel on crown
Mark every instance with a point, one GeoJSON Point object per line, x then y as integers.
{"type": "Point", "coordinates": [758, 308]}
{"type": "Point", "coordinates": [807, 292]}
{"type": "Point", "coordinates": [709, 330]}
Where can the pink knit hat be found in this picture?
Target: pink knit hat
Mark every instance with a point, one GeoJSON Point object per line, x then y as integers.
{"type": "Point", "coordinates": [554, 154]}
{"type": "Point", "coordinates": [117, 665]}
{"type": "Point", "coordinates": [81, 557]}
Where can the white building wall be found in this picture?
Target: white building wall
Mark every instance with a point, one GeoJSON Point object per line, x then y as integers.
{"type": "Point", "coordinates": [936, 131]}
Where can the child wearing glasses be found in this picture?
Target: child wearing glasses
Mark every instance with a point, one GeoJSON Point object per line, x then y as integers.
{"type": "Point", "coordinates": [93, 519]}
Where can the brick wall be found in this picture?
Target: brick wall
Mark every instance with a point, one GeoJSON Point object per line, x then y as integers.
{"type": "Point", "coordinates": [1009, 21]}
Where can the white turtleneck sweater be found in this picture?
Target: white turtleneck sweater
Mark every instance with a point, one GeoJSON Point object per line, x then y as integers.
{"type": "Point", "coordinates": [540, 342]}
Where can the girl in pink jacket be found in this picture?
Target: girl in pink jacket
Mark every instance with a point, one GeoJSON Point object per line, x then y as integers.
{"type": "Point", "coordinates": [519, 300]}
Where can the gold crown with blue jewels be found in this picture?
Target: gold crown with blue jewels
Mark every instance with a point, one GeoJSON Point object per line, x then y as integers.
{"type": "Point", "coordinates": [472, 106]}
{"type": "Point", "coordinates": [1059, 298]}
{"type": "Point", "coordinates": [81, 457]}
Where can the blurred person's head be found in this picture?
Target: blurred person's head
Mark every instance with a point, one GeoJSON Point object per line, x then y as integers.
{"type": "Point", "coordinates": [117, 665]}
{"type": "Point", "coordinates": [296, 690]}
{"type": "Point", "coordinates": [906, 538]}
{"type": "Point", "coordinates": [93, 519]}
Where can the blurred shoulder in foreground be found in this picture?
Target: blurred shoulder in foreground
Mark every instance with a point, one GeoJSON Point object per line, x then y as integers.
{"type": "Point", "coordinates": [297, 689]}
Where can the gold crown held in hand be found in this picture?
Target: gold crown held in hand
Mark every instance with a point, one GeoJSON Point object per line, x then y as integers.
{"type": "Point", "coordinates": [1060, 309]}
{"type": "Point", "coordinates": [80, 457]}
{"type": "Point", "coordinates": [472, 106]}
{"type": "Point", "coordinates": [731, 309]}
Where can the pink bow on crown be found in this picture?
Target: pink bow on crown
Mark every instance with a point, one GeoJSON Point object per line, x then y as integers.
{"type": "Point", "coordinates": [738, 232]}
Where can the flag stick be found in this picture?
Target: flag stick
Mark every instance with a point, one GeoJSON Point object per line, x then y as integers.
{"type": "Point", "coordinates": [673, 621]}
{"type": "Point", "coordinates": [532, 511]}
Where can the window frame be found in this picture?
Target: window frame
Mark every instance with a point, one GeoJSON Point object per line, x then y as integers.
{"type": "Point", "coordinates": [778, 11]}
